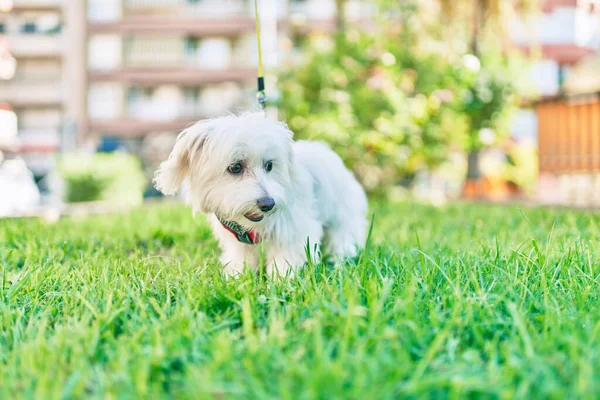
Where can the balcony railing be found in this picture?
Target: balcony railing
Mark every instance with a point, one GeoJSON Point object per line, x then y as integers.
{"type": "Point", "coordinates": [46, 137]}
{"type": "Point", "coordinates": [165, 109]}
{"type": "Point", "coordinates": [35, 45]}
{"type": "Point", "coordinates": [176, 76]}
{"type": "Point", "coordinates": [180, 8]}
{"type": "Point", "coordinates": [38, 4]}
{"type": "Point", "coordinates": [111, 11]}
{"type": "Point", "coordinates": [20, 93]}
{"type": "Point", "coordinates": [172, 51]}
{"type": "Point", "coordinates": [128, 127]}
{"type": "Point", "coordinates": [185, 24]}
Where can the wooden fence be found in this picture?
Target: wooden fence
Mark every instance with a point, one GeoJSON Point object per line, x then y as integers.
{"type": "Point", "coordinates": [569, 134]}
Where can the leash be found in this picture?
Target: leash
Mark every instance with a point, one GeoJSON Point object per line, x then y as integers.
{"type": "Point", "coordinates": [261, 96]}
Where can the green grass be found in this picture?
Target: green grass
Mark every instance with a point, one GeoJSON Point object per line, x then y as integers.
{"type": "Point", "coordinates": [461, 301]}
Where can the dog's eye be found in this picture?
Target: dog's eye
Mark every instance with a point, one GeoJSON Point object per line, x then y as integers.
{"type": "Point", "coordinates": [235, 168]}
{"type": "Point", "coordinates": [268, 166]}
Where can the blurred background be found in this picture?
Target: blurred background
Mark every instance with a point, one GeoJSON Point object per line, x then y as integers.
{"type": "Point", "coordinates": [490, 100]}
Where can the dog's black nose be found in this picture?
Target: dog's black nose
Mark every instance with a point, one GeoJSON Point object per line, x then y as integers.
{"type": "Point", "coordinates": [265, 204]}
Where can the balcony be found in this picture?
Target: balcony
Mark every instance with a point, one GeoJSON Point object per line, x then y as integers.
{"type": "Point", "coordinates": [303, 26]}
{"type": "Point", "coordinates": [36, 45]}
{"type": "Point", "coordinates": [174, 75]}
{"type": "Point", "coordinates": [127, 127]}
{"type": "Point", "coordinates": [114, 11]}
{"type": "Point", "coordinates": [551, 5]}
{"type": "Point", "coordinates": [562, 54]}
{"type": "Point", "coordinates": [178, 25]}
{"type": "Point", "coordinates": [162, 109]}
{"type": "Point", "coordinates": [314, 9]}
{"type": "Point", "coordinates": [38, 5]}
{"type": "Point", "coordinates": [40, 138]}
{"type": "Point", "coordinates": [560, 26]}
{"type": "Point", "coordinates": [178, 8]}
{"type": "Point", "coordinates": [20, 93]}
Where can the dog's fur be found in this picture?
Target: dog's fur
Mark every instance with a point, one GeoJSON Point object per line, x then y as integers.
{"type": "Point", "coordinates": [317, 200]}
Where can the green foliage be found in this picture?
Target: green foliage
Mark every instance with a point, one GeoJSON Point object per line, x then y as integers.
{"type": "Point", "coordinates": [464, 301]}
{"type": "Point", "coordinates": [370, 107]}
{"type": "Point", "coordinates": [84, 187]}
{"type": "Point", "coordinates": [522, 166]}
{"type": "Point", "coordinates": [489, 95]}
{"type": "Point", "coordinates": [391, 101]}
{"type": "Point", "coordinates": [114, 177]}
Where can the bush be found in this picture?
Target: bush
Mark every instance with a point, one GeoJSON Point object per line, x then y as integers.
{"type": "Point", "coordinates": [114, 177]}
{"type": "Point", "coordinates": [84, 187]}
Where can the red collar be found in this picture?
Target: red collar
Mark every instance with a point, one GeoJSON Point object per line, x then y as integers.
{"type": "Point", "coordinates": [242, 235]}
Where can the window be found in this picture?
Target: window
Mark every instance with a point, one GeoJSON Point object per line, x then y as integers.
{"type": "Point", "coordinates": [53, 30]}
{"type": "Point", "coordinates": [191, 93]}
{"type": "Point", "coordinates": [28, 27]}
{"type": "Point", "coordinates": [136, 93]}
{"type": "Point", "coordinates": [191, 45]}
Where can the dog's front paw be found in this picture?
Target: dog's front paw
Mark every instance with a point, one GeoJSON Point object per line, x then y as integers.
{"type": "Point", "coordinates": [232, 267]}
{"type": "Point", "coordinates": [280, 268]}
{"type": "Point", "coordinates": [286, 263]}
{"type": "Point", "coordinates": [232, 270]}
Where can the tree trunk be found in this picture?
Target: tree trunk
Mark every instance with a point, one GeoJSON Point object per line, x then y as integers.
{"type": "Point", "coordinates": [473, 171]}
{"type": "Point", "coordinates": [472, 188]}
{"type": "Point", "coordinates": [340, 16]}
{"type": "Point", "coordinates": [479, 14]}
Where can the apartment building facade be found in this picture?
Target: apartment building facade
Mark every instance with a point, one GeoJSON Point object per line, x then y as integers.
{"type": "Point", "coordinates": [33, 31]}
{"type": "Point", "coordinates": [99, 74]}
{"type": "Point", "coordinates": [158, 65]}
{"type": "Point", "coordinates": [560, 35]}
{"type": "Point", "coordinates": [566, 120]}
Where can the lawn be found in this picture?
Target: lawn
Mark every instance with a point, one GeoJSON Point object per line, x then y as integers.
{"type": "Point", "coordinates": [452, 302]}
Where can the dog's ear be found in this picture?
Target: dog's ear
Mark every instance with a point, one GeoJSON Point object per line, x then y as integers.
{"type": "Point", "coordinates": [188, 146]}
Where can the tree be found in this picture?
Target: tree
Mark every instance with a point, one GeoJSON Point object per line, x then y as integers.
{"type": "Point", "coordinates": [484, 18]}
{"type": "Point", "coordinates": [386, 109]}
{"type": "Point", "coordinates": [340, 21]}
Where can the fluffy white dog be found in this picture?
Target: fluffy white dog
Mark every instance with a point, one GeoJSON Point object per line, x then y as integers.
{"type": "Point", "coordinates": [257, 185]}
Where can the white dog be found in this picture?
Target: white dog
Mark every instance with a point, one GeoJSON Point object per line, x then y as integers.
{"type": "Point", "coordinates": [257, 185]}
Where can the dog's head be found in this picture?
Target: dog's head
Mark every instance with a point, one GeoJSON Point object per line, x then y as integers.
{"type": "Point", "coordinates": [238, 167]}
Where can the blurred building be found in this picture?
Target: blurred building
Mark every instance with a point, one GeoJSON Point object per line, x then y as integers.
{"type": "Point", "coordinates": [153, 67]}
{"type": "Point", "coordinates": [559, 36]}
{"type": "Point", "coordinates": [158, 65]}
{"type": "Point", "coordinates": [110, 74]}
{"type": "Point", "coordinates": [567, 117]}
{"type": "Point", "coordinates": [34, 31]}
